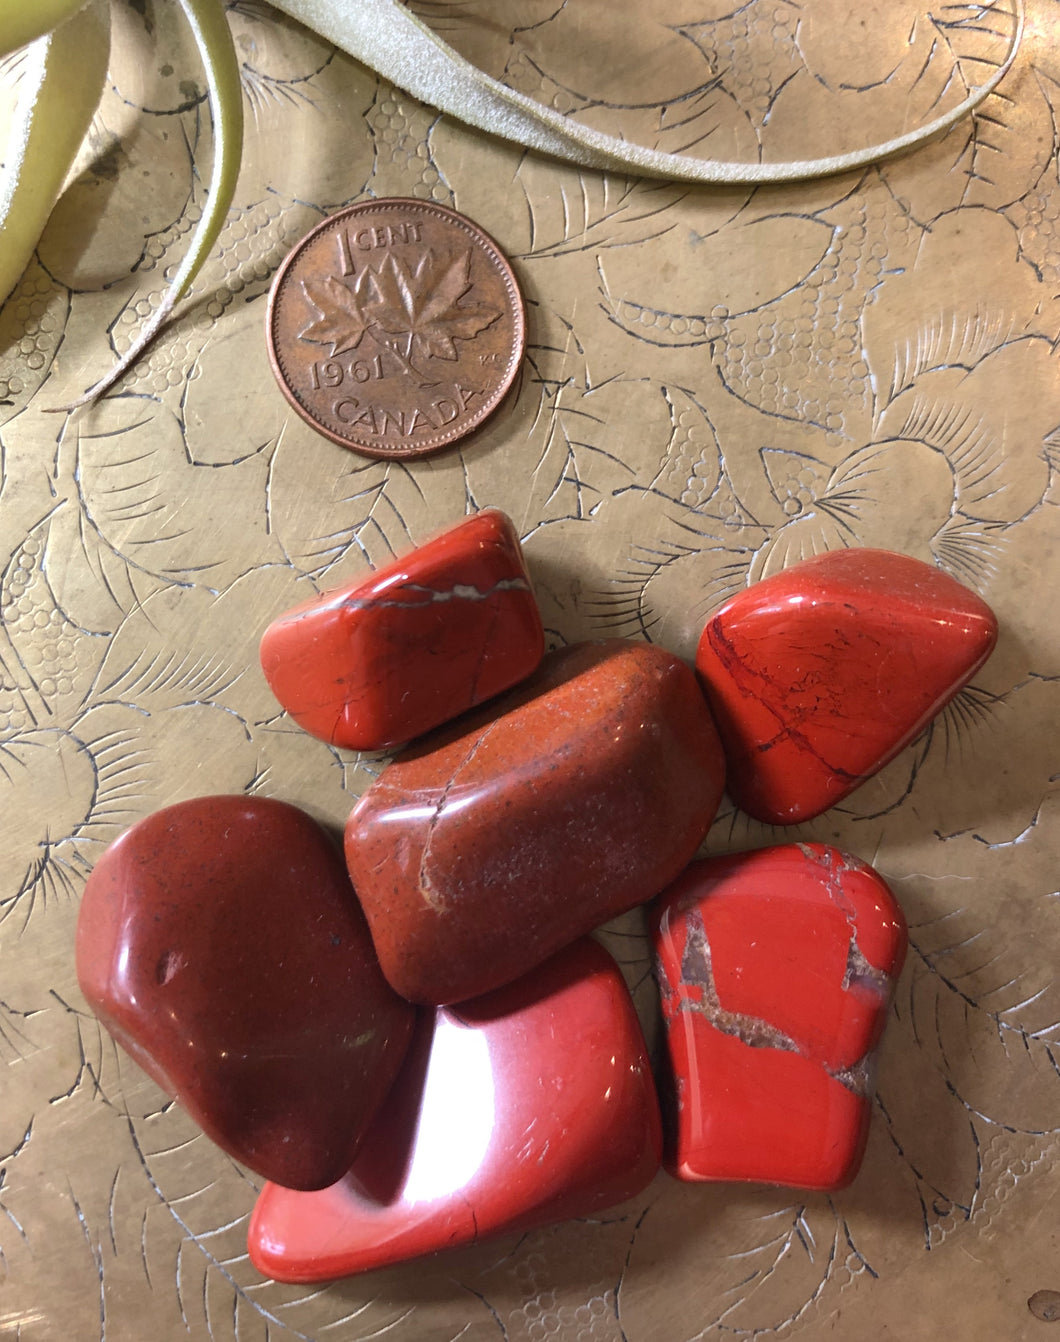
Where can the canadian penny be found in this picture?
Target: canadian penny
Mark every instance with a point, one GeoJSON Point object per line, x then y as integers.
{"type": "Point", "coordinates": [395, 327]}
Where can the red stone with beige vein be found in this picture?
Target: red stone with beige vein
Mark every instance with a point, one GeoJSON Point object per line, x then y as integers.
{"type": "Point", "coordinates": [483, 849]}
{"type": "Point", "coordinates": [776, 969]}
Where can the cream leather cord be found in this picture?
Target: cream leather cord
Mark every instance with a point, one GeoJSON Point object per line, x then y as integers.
{"type": "Point", "coordinates": [386, 36]}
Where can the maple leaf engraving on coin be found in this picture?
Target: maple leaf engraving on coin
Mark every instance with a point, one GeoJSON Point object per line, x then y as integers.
{"type": "Point", "coordinates": [415, 313]}
{"type": "Point", "coordinates": [342, 322]}
{"type": "Point", "coordinates": [425, 304]}
{"type": "Point", "coordinates": [395, 327]}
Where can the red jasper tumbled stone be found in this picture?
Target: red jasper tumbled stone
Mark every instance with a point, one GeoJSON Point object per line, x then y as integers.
{"type": "Point", "coordinates": [821, 674]}
{"type": "Point", "coordinates": [417, 643]}
{"type": "Point", "coordinates": [221, 945]}
{"type": "Point", "coordinates": [776, 969]}
{"type": "Point", "coordinates": [532, 1104]}
{"type": "Point", "coordinates": [482, 850]}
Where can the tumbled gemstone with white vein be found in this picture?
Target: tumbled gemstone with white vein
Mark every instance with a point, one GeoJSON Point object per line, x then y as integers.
{"type": "Point", "coordinates": [417, 643]}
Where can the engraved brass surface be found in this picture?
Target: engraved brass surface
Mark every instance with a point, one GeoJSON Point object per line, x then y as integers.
{"type": "Point", "coordinates": [717, 382]}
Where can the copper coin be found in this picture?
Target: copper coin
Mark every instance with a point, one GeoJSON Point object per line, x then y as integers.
{"type": "Point", "coordinates": [395, 327]}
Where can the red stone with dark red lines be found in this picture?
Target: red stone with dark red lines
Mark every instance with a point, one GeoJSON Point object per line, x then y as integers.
{"type": "Point", "coordinates": [821, 674]}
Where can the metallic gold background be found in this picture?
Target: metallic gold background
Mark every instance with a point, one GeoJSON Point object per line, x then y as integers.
{"type": "Point", "coordinates": [719, 381]}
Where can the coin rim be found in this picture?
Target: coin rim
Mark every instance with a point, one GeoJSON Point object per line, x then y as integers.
{"type": "Point", "coordinates": [518, 307]}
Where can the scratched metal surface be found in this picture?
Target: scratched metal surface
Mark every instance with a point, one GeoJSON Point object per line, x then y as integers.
{"type": "Point", "coordinates": [718, 382]}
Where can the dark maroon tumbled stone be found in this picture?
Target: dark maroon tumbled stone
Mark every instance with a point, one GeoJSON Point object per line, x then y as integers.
{"type": "Point", "coordinates": [221, 945]}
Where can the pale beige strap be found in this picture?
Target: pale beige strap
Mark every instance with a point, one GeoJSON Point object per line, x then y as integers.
{"type": "Point", "coordinates": [384, 35]}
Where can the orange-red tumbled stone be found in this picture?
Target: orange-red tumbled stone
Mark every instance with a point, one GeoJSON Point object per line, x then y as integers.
{"type": "Point", "coordinates": [776, 970]}
{"type": "Point", "coordinates": [221, 945]}
{"type": "Point", "coordinates": [821, 674]}
{"type": "Point", "coordinates": [438, 631]}
{"type": "Point", "coordinates": [485, 848]}
{"type": "Point", "coordinates": [532, 1104]}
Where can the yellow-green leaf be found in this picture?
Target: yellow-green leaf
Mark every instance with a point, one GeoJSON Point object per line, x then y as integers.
{"type": "Point", "coordinates": [221, 64]}
{"type": "Point", "coordinates": [23, 21]}
{"type": "Point", "coordinates": [58, 97]}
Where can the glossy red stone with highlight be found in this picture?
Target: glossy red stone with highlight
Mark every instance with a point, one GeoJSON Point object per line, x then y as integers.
{"type": "Point", "coordinates": [485, 848]}
{"type": "Point", "coordinates": [776, 969]}
{"type": "Point", "coordinates": [221, 945]}
{"type": "Point", "coordinates": [533, 1104]}
{"type": "Point", "coordinates": [821, 674]}
{"type": "Point", "coordinates": [442, 629]}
